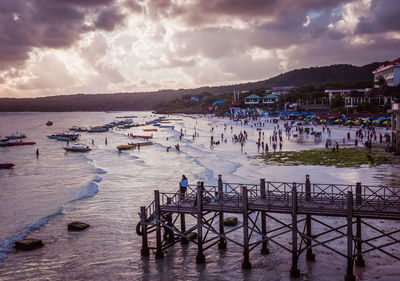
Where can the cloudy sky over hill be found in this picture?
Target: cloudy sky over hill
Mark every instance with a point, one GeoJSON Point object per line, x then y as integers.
{"type": "Point", "coordinates": [50, 47]}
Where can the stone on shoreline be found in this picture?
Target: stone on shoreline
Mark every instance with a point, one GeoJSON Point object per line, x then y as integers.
{"type": "Point", "coordinates": [77, 226]}
{"type": "Point", "coordinates": [230, 221]}
{"type": "Point", "coordinates": [28, 244]}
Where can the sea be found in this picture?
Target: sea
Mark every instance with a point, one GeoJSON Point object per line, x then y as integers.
{"type": "Point", "coordinates": [105, 188]}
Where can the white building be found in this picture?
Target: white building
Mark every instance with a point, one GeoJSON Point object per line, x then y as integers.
{"type": "Point", "coordinates": [341, 92]}
{"type": "Point", "coordinates": [389, 71]}
{"type": "Point", "coordinates": [280, 91]}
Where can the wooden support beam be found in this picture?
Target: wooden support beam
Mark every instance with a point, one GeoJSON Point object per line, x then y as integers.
{"type": "Point", "coordinates": [246, 259]}
{"type": "Point", "coordinates": [200, 258]}
{"type": "Point", "coordinates": [222, 241]}
{"type": "Point", "coordinates": [349, 273]}
{"type": "Point", "coordinates": [159, 252]}
{"type": "Point", "coordinates": [264, 246]}
{"type": "Point", "coordinates": [183, 228]}
{"type": "Point", "coordinates": [294, 271]}
{"type": "Point", "coordinates": [360, 262]}
{"type": "Point", "coordinates": [310, 256]}
{"type": "Point", "coordinates": [145, 247]}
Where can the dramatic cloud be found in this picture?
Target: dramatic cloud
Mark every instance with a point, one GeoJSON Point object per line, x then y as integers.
{"type": "Point", "coordinates": [52, 47]}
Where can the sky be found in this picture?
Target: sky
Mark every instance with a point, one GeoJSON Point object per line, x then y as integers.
{"type": "Point", "coordinates": [56, 47]}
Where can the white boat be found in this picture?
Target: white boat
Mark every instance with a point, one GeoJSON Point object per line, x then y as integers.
{"type": "Point", "coordinates": [77, 148]}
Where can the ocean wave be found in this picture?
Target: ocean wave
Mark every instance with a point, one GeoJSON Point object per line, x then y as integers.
{"type": "Point", "coordinates": [7, 245]}
{"type": "Point", "coordinates": [90, 191]}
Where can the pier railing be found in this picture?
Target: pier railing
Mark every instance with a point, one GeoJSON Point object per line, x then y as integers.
{"type": "Point", "coordinates": [207, 203]}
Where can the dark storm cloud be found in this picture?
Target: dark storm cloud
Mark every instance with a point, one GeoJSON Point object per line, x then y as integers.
{"type": "Point", "coordinates": [109, 18]}
{"type": "Point", "coordinates": [384, 16]}
{"type": "Point", "coordinates": [25, 24]}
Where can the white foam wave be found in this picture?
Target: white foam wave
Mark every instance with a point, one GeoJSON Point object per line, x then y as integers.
{"type": "Point", "coordinates": [7, 245]}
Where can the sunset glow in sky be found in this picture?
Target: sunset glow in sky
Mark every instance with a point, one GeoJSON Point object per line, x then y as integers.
{"type": "Point", "coordinates": [53, 47]}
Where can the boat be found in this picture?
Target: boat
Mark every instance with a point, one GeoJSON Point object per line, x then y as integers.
{"type": "Point", "coordinates": [18, 143]}
{"type": "Point", "coordinates": [64, 137]}
{"type": "Point", "coordinates": [15, 137]}
{"type": "Point", "coordinates": [97, 130]}
{"type": "Point", "coordinates": [124, 146]}
{"type": "Point", "coordinates": [77, 148]}
{"type": "Point", "coordinates": [6, 165]}
{"type": "Point", "coordinates": [140, 144]}
{"type": "Point", "coordinates": [149, 130]}
{"type": "Point", "coordinates": [143, 137]}
{"type": "Point", "coordinates": [167, 126]}
{"type": "Point", "coordinates": [78, 129]}
{"type": "Point", "coordinates": [49, 123]}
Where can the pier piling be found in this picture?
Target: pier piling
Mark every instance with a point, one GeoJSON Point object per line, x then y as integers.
{"type": "Point", "coordinates": [143, 218]}
{"type": "Point", "coordinates": [159, 252]}
{"type": "Point", "coordinates": [246, 258]}
{"type": "Point", "coordinates": [200, 258]}
{"type": "Point", "coordinates": [310, 256]}
{"type": "Point", "coordinates": [264, 245]}
{"type": "Point", "coordinates": [222, 241]}
{"type": "Point", "coordinates": [294, 271]}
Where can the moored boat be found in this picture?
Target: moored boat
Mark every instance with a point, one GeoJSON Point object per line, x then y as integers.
{"type": "Point", "coordinates": [77, 148]}
{"type": "Point", "coordinates": [143, 137]}
{"type": "Point", "coordinates": [18, 143]}
{"type": "Point", "coordinates": [124, 146]}
{"type": "Point", "coordinates": [6, 165]}
{"type": "Point", "coordinates": [78, 129]}
{"type": "Point", "coordinates": [15, 137]}
{"type": "Point", "coordinates": [64, 137]}
{"type": "Point", "coordinates": [97, 130]}
{"type": "Point", "coordinates": [167, 126]}
{"type": "Point", "coordinates": [140, 144]}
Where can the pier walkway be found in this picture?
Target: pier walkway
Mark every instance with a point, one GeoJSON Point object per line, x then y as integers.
{"type": "Point", "coordinates": [303, 203]}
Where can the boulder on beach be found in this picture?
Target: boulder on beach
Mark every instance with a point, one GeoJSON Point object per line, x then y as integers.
{"type": "Point", "coordinates": [192, 235]}
{"type": "Point", "coordinates": [230, 221]}
{"type": "Point", "coordinates": [77, 226]}
{"type": "Point", "coordinates": [28, 244]}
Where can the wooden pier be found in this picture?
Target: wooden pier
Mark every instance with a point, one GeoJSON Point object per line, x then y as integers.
{"type": "Point", "coordinates": [304, 203]}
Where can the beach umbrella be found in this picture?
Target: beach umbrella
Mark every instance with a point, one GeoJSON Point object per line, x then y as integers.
{"type": "Point", "coordinates": [385, 122]}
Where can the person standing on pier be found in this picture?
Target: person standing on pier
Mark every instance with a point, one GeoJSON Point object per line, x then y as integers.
{"type": "Point", "coordinates": [183, 186]}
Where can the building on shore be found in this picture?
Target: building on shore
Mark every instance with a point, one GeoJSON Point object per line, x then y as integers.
{"type": "Point", "coordinates": [252, 100]}
{"type": "Point", "coordinates": [395, 112]}
{"type": "Point", "coordinates": [341, 92]}
{"type": "Point", "coordinates": [389, 71]}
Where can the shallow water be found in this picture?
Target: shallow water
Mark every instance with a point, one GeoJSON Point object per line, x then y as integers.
{"type": "Point", "coordinates": [40, 196]}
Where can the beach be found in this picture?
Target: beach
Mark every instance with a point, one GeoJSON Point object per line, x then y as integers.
{"type": "Point", "coordinates": [105, 188]}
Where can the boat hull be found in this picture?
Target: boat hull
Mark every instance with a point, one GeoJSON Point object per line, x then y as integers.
{"type": "Point", "coordinates": [6, 165]}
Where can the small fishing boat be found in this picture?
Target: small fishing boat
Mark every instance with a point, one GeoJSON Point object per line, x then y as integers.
{"type": "Point", "coordinates": [6, 165]}
{"type": "Point", "coordinates": [167, 126]}
{"type": "Point", "coordinates": [140, 144]}
{"type": "Point", "coordinates": [142, 137]}
{"type": "Point", "coordinates": [78, 129]}
{"type": "Point", "coordinates": [77, 148]}
{"type": "Point", "coordinates": [97, 130]}
{"type": "Point", "coordinates": [64, 137]}
{"type": "Point", "coordinates": [18, 143]}
{"type": "Point", "coordinates": [124, 146]}
{"type": "Point", "coordinates": [150, 130]}
{"type": "Point", "coordinates": [15, 137]}
{"type": "Point", "coordinates": [49, 123]}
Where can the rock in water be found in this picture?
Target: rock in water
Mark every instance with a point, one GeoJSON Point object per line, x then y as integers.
{"type": "Point", "coordinates": [230, 221]}
{"type": "Point", "coordinates": [77, 226]}
{"type": "Point", "coordinates": [28, 244]}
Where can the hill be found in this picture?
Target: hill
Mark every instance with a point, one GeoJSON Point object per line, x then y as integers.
{"type": "Point", "coordinates": [342, 74]}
